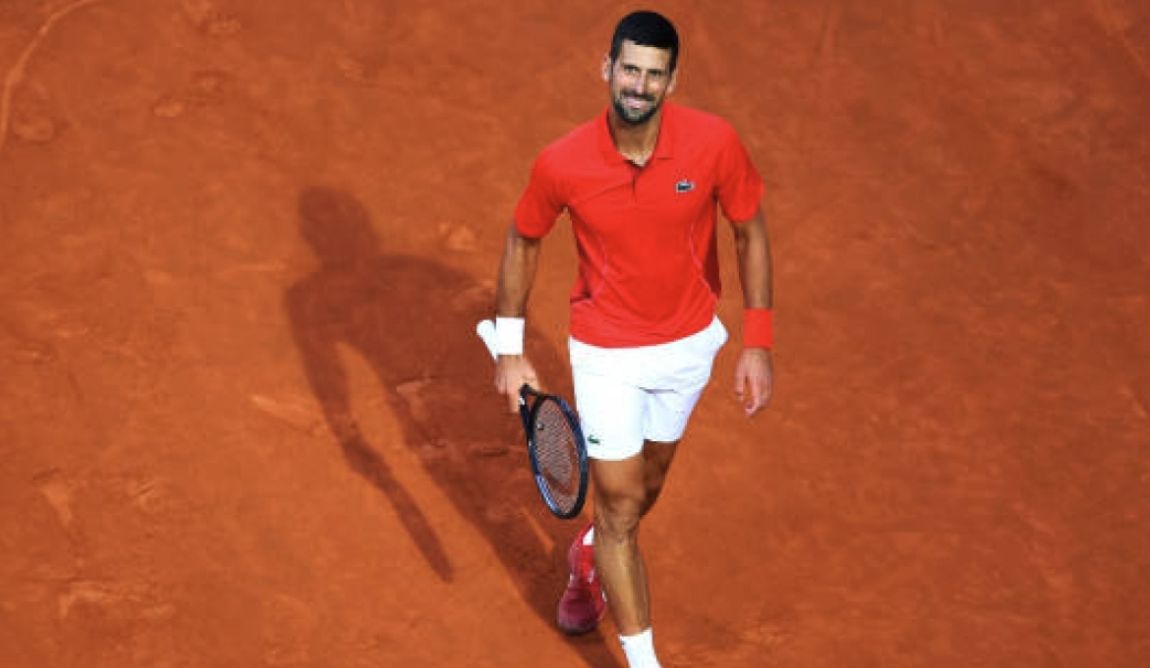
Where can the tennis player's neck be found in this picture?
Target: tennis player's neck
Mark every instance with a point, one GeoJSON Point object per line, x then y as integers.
{"type": "Point", "coordinates": [636, 143]}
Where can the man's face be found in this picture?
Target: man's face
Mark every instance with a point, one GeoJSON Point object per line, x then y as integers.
{"type": "Point", "coordinates": [639, 80]}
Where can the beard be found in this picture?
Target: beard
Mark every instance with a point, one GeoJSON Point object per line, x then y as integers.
{"type": "Point", "coordinates": [635, 116]}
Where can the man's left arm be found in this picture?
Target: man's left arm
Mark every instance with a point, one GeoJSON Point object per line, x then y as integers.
{"type": "Point", "coordinates": [754, 382]}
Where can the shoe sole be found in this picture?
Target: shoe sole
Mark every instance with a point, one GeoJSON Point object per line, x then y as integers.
{"type": "Point", "coordinates": [580, 630]}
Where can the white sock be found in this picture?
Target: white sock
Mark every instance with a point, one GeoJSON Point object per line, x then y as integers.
{"type": "Point", "coordinates": [589, 537]}
{"type": "Point", "coordinates": [640, 650]}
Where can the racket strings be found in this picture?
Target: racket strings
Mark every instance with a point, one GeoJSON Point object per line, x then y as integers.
{"type": "Point", "coordinates": [556, 453]}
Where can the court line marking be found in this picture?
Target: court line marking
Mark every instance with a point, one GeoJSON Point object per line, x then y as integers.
{"type": "Point", "coordinates": [15, 74]}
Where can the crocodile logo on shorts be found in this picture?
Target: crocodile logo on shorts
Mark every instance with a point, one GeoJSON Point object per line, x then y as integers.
{"type": "Point", "coordinates": [594, 440]}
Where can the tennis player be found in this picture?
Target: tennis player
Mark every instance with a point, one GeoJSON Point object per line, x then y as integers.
{"type": "Point", "coordinates": [642, 183]}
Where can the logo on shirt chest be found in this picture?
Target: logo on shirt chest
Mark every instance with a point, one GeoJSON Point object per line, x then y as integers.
{"type": "Point", "coordinates": [684, 186]}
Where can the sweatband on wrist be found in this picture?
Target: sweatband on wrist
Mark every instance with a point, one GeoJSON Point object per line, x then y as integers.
{"type": "Point", "coordinates": [509, 336]}
{"type": "Point", "coordinates": [758, 328]}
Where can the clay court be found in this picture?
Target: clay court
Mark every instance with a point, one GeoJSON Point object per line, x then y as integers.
{"type": "Point", "coordinates": [244, 420]}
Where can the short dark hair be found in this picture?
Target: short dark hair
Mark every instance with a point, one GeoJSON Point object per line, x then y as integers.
{"type": "Point", "coordinates": [646, 28]}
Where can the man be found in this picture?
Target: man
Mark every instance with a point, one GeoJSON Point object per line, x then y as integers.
{"type": "Point", "coordinates": [640, 183]}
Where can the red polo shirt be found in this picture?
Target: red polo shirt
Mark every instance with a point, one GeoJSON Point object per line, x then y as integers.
{"type": "Point", "coordinates": [648, 268]}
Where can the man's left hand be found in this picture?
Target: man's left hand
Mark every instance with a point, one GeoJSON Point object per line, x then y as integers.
{"type": "Point", "coordinates": [754, 382]}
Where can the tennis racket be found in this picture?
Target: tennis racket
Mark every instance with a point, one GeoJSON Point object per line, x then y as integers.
{"type": "Point", "coordinates": [555, 442]}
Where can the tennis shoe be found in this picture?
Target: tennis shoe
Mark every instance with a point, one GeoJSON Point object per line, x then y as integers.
{"type": "Point", "coordinates": [583, 603]}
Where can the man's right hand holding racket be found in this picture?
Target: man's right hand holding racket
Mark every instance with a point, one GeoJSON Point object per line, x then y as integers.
{"type": "Point", "coordinates": [511, 373]}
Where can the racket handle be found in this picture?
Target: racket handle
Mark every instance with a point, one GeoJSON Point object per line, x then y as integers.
{"type": "Point", "coordinates": [486, 331]}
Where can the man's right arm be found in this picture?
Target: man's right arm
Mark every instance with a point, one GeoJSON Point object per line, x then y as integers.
{"type": "Point", "coordinates": [516, 276]}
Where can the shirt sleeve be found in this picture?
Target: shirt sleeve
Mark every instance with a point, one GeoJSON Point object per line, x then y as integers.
{"type": "Point", "coordinates": [540, 204]}
{"type": "Point", "coordinates": [740, 188]}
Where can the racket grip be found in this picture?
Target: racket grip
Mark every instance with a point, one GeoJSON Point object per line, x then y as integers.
{"type": "Point", "coordinates": [486, 331]}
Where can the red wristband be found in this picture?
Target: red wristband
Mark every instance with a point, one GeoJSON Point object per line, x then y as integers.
{"type": "Point", "coordinates": [758, 328]}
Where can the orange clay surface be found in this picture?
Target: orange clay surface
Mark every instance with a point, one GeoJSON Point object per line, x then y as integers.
{"type": "Point", "coordinates": [244, 420]}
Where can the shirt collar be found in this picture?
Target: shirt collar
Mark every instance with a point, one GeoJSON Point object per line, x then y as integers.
{"type": "Point", "coordinates": [664, 146]}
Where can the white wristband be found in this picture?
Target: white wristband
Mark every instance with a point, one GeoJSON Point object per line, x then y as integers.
{"type": "Point", "coordinates": [509, 336]}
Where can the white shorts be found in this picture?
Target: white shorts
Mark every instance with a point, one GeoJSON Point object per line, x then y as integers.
{"type": "Point", "coordinates": [626, 396]}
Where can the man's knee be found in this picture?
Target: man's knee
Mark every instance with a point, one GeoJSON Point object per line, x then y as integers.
{"type": "Point", "coordinates": [617, 515]}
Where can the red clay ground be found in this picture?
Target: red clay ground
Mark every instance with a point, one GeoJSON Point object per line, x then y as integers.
{"type": "Point", "coordinates": [244, 421]}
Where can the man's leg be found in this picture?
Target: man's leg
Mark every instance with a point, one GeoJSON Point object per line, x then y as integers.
{"type": "Point", "coordinates": [657, 458]}
{"type": "Point", "coordinates": [632, 433]}
{"type": "Point", "coordinates": [625, 490]}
